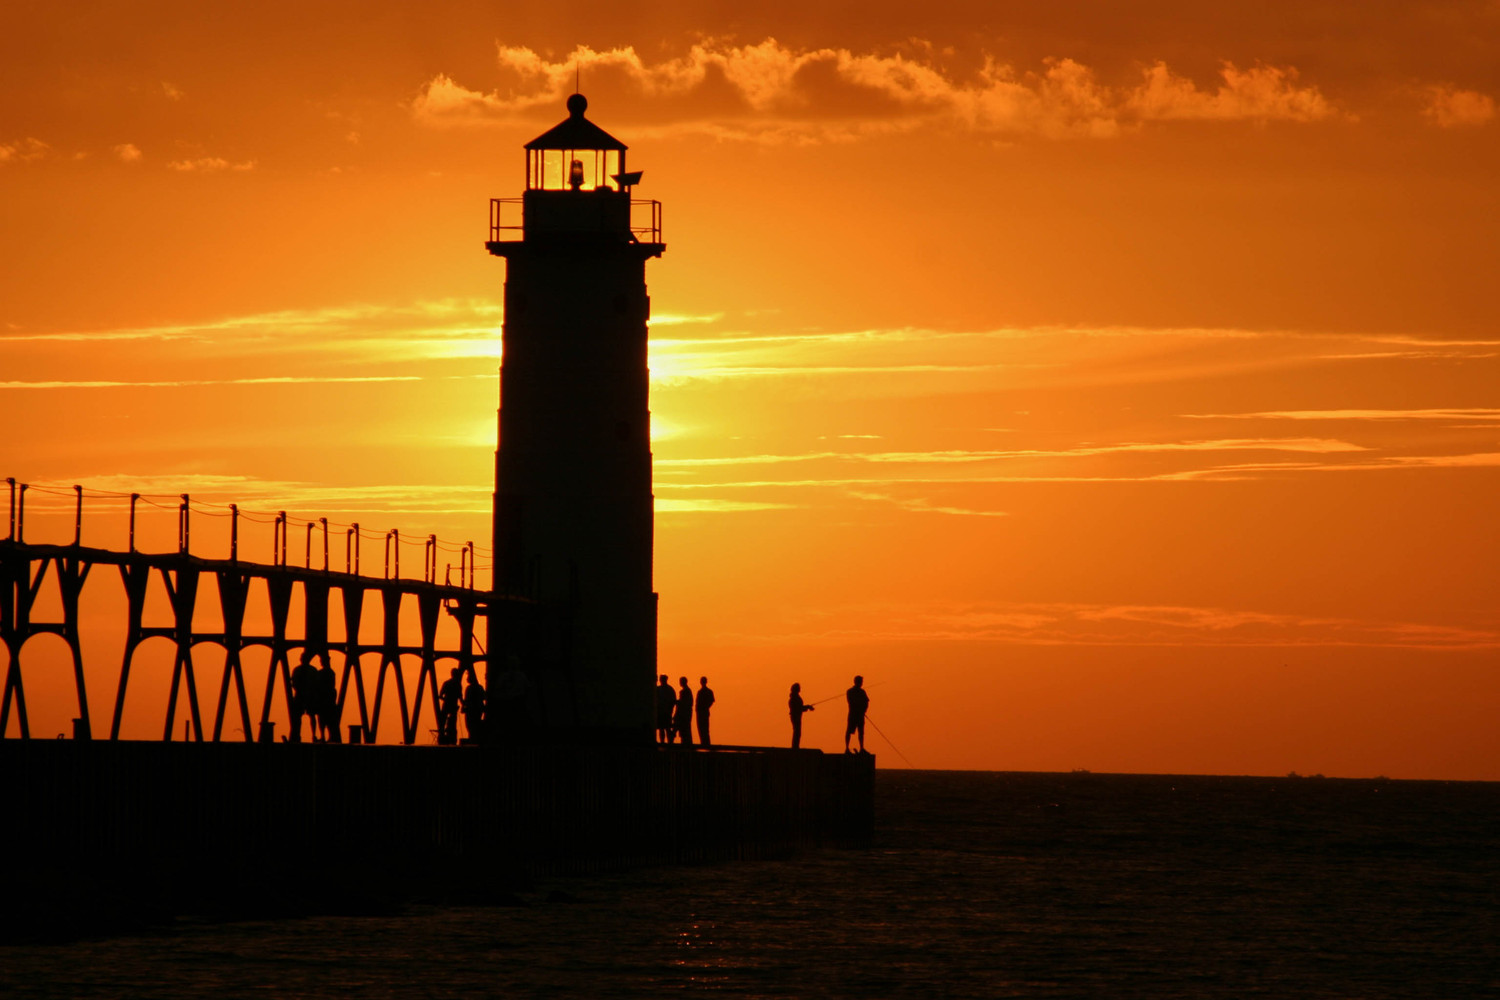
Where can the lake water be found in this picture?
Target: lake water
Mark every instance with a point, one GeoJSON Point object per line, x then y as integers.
{"type": "Point", "coordinates": [978, 885]}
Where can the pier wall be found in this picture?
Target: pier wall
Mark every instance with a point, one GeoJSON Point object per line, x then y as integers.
{"type": "Point", "coordinates": [230, 825]}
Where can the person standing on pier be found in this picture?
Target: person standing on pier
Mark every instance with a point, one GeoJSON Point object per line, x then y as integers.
{"type": "Point", "coordinates": [327, 713]}
{"type": "Point", "coordinates": [304, 697]}
{"type": "Point", "coordinates": [684, 717]}
{"type": "Point", "coordinates": [449, 697]}
{"type": "Point", "coordinates": [666, 703]}
{"type": "Point", "coordinates": [796, 707]}
{"type": "Point", "coordinates": [859, 704]}
{"type": "Point", "coordinates": [704, 702]}
{"type": "Point", "coordinates": [473, 707]}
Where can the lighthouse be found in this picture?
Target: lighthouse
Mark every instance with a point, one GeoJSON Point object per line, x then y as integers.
{"type": "Point", "coordinates": [573, 508]}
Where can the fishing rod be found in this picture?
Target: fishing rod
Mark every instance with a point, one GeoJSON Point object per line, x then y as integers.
{"type": "Point", "coordinates": [833, 696]}
{"type": "Point", "coordinates": [888, 740]}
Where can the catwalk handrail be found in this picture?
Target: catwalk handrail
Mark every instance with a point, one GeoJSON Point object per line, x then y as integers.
{"type": "Point", "coordinates": [281, 527]}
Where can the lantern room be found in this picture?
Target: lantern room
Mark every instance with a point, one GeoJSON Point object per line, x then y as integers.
{"type": "Point", "coordinates": [577, 188]}
{"type": "Point", "coordinates": [576, 155]}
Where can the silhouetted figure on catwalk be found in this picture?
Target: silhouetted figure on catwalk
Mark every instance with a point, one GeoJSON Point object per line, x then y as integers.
{"type": "Point", "coordinates": [795, 706]}
{"type": "Point", "coordinates": [450, 695]}
{"type": "Point", "coordinates": [666, 704]}
{"type": "Point", "coordinates": [683, 720]}
{"type": "Point", "coordinates": [327, 710]}
{"type": "Point", "coordinates": [701, 705]}
{"type": "Point", "coordinates": [304, 697]}
{"type": "Point", "coordinates": [473, 708]}
{"type": "Point", "coordinates": [859, 703]}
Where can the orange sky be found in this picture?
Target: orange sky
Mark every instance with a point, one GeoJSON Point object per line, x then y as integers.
{"type": "Point", "coordinates": [1115, 386]}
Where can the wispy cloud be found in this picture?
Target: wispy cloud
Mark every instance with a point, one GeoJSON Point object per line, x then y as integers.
{"type": "Point", "coordinates": [24, 151]}
{"type": "Point", "coordinates": [1079, 624]}
{"type": "Point", "coordinates": [925, 506]}
{"type": "Point", "coordinates": [210, 165]}
{"type": "Point", "coordinates": [1467, 415]}
{"type": "Point", "coordinates": [432, 329]}
{"type": "Point", "coordinates": [128, 152]}
{"type": "Point", "coordinates": [775, 92]}
{"type": "Point", "coordinates": [185, 383]}
{"type": "Point", "coordinates": [704, 505]}
{"type": "Point", "coordinates": [1447, 106]}
{"type": "Point", "coordinates": [1313, 445]}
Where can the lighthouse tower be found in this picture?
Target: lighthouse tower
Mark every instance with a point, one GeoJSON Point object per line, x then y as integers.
{"type": "Point", "coordinates": [573, 503]}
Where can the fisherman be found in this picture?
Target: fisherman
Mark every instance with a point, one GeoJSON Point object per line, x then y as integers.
{"type": "Point", "coordinates": [473, 706]}
{"type": "Point", "coordinates": [666, 701]}
{"type": "Point", "coordinates": [703, 702]}
{"type": "Point", "coordinates": [304, 696]}
{"type": "Point", "coordinates": [859, 704]}
{"type": "Point", "coordinates": [683, 720]}
{"type": "Point", "coordinates": [796, 707]}
{"type": "Point", "coordinates": [449, 697]}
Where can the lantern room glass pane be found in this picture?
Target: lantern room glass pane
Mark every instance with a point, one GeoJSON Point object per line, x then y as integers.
{"type": "Point", "coordinates": [551, 169]}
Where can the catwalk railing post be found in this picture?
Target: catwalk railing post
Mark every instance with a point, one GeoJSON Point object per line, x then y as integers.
{"type": "Point", "coordinates": [134, 498]}
{"type": "Point", "coordinates": [72, 573]}
{"type": "Point", "coordinates": [182, 526]}
{"type": "Point", "coordinates": [21, 515]}
{"type": "Point", "coordinates": [324, 522]}
{"type": "Point", "coordinates": [234, 534]}
{"type": "Point", "coordinates": [351, 545]}
{"type": "Point", "coordinates": [77, 515]}
{"type": "Point", "coordinates": [11, 481]}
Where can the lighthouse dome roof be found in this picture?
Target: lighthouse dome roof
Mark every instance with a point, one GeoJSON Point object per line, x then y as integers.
{"type": "Point", "coordinates": [575, 131]}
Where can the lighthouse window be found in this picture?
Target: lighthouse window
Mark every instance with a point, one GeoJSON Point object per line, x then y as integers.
{"type": "Point", "coordinates": [573, 169]}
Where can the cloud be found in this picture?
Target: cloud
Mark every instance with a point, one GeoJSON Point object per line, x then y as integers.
{"type": "Point", "coordinates": [1472, 415]}
{"type": "Point", "coordinates": [1261, 93]}
{"type": "Point", "coordinates": [925, 506]}
{"type": "Point", "coordinates": [443, 328]}
{"type": "Point", "coordinates": [128, 152]}
{"type": "Point", "coordinates": [705, 505]}
{"type": "Point", "coordinates": [772, 92]}
{"type": "Point", "coordinates": [172, 92]}
{"type": "Point", "coordinates": [1449, 107]}
{"type": "Point", "coordinates": [1313, 445]}
{"type": "Point", "coordinates": [24, 151]}
{"type": "Point", "coordinates": [187, 383]}
{"type": "Point", "coordinates": [209, 165]}
{"type": "Point", "coordinates": [1079, 624]}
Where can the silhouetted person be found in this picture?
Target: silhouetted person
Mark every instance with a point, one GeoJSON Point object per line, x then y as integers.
{"type": "Point", "coordinates": [473, 708]}
{"type": "Point", "coordinates": [683, 720]}
{"type": "Point", "coordinates": [666, 703]}
{"type": "Point", "coordinates": [795, 706]}
{"type": "Point", "coordinates": [304, 696]}
{"type": "Point", "coordinates": [449, 697]}
{"type": "Point", "coordinates": [701, 705]}
{"type": "Point", "coordinates": [859, 704]}
{"type": "Point", "coordinates": [328, 703]}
